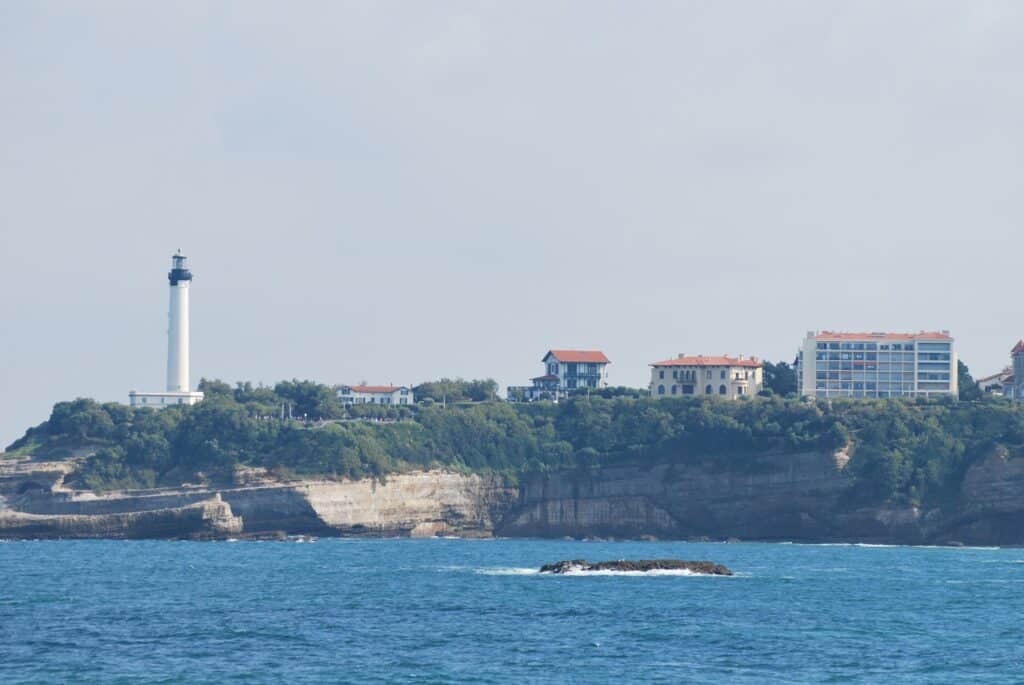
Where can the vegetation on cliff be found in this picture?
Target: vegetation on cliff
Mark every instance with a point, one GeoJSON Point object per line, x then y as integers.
{"type": "Point", "coordinates": [900, 450]}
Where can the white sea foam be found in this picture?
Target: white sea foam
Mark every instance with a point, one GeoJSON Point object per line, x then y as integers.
{"type": "Point", "coordinates": [514, 571]}
{"type": "Point", "coordinates": [511, 571]}
{"type": "Point", "coordinates": [638, 574]}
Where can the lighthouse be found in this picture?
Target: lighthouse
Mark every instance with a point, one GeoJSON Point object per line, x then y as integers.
{"type": "Point", "coordinates": [178, 388]}
{"type": "Point", "coordinates": [177, 325]}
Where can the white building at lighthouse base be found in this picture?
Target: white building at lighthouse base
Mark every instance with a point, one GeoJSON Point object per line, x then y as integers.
{"type": "Point", "coordinates": [159, 400]}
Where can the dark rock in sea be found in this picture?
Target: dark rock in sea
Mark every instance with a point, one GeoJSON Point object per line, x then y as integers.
{"type": "Point", "coordinates": [642, 565]}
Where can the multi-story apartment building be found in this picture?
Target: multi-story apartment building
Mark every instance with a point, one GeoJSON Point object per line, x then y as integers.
{"type": "Point", "coordinates": [375, 394]}
{"type": "Point", "coordinates": [565, 371]}
{"type": "Point", "coordinates": [728, 377]}
{"type": "Point", "coordinates": [877, 365]}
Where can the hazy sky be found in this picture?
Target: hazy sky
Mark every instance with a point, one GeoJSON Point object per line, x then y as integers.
{"type": "Point", "coordinates": [395, 192]}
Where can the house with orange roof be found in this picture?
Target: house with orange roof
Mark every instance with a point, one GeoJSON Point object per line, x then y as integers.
{"type": "Point", "coordinates": [565, 372]}
{"type": "Point", "coordinates": [877, 364]}
{"type": "Point", "coordinates": [376, 394]}
{"type": "Point", "coordinates": [710, 376]}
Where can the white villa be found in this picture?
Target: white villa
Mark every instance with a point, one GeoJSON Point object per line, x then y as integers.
{"type": "Point", "coordinates": [375, 394]}
{"type": "Point", "coordinates": [726, 377]}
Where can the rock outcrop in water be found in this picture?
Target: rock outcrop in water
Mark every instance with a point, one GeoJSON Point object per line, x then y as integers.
{"type": "Point", "coordinates": [642, 566]}
{"type": "Point", "coordinates": [799, 497]}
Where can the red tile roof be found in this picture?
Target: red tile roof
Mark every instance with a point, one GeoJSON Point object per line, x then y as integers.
{"type": "Point", "coordinates": [1018, 348]}
{"type": "Point", "coordinates": [842, 335]}
{"type": "Point", "coordinates": [701, 360]}
{"type": "Point", "coordinates": [377, 389]}
{"type": "Point", "coordinates": [584, 356]}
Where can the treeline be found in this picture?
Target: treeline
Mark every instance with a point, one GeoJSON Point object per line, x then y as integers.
{"type": "Point", "coordinates": [902, 450]}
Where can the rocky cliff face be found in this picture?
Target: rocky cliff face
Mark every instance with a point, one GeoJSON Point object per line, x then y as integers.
{"type": "Point", "coordinates": [35, 503]}
{"type": "Point", "coordinates": [776, 497]}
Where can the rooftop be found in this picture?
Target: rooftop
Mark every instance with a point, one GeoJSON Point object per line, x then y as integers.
{"type": "Point", "coordinates": [701, 360]}
{"type": "Point", "coordinates": [578, 356]}
{"type": "Point", "coordinates": [1018, 348]}
{"type": "Point", "coordinates": [844, 335]}
{"type": "Point", "coordinates": [377, 389]}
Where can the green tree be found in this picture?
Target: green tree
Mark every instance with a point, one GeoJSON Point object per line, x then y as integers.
{"type": "Point", "coordinates": [457, 390]}
{"type": "Point", "coordinates": [969, 389]}
{"type": "Point", "coordinates": [780, 378]}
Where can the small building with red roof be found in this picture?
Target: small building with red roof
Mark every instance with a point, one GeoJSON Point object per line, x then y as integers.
{"type": "Point", "coordinates": [710, 376]}
{"type": "Point", "coordinates": [376, 394]}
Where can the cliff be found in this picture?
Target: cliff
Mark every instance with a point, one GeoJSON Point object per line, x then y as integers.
{"type": "Point", "coordinates": [34, 502]}
{"type": "Point", "coordinates": [800, 497]}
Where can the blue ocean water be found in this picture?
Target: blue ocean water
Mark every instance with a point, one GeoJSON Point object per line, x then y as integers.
{"type": "Point", "coordinates": [435, 611]}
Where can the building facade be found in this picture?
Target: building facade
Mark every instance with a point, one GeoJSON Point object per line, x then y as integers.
{"type": "Point", "coordinates": [1015, 381]}
{"type": "Point", "coordinates": [725, 377]}
{"type": "Point", "coordinates": [565, 372]}
{"type": "Point", "coordinates": [833, 364]}
{"type": "Point", "coordinates": [999, 384]}
{"type": "Point", "coordinates": [376, 394]}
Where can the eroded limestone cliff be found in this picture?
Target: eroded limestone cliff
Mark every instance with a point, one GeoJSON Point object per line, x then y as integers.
{"type": "Point", "coordinates": [800, 496]}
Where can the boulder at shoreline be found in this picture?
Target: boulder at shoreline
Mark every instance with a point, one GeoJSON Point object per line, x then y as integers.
{"type": "Point", "coordinates": [641, 565]}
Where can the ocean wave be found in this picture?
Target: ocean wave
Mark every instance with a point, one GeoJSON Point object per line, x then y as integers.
{"type": "Point", "coordinates": [518, 571]}
{"type": "Point", "coordinates": [638, 574]}
{"type": "Point", "coordinates": [509, 571]}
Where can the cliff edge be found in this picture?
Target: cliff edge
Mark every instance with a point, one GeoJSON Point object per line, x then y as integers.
{"type": "Point", "coordinates": [798, 496]}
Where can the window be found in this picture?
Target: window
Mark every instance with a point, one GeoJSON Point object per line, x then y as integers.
{"type": "Point", "coordinates": [739, 390]}
{"type": "Point", "coordinates": [688, 389]}
{"type": "Point", "coordinates": [675, 389]}
{"type": "Point", "coordinates": [707, 374]}
{"type": "Point", "coordinates": [722, 390]}
{"type": "Point", "coordinates": [709, 390]}
{"type": "Point", "coordinates": [661, 389]}
{"type": "Point", "coordinates": [661, 374]}
{"type": "Point", "coordinates": [722, 374]}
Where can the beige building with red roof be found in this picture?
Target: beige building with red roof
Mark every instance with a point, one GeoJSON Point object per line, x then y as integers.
{"type": "Point", "coordinates": [843, 364]}
{"type": "Point", "coordinates": [707, 376]}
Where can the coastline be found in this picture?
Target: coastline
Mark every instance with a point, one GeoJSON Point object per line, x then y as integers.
{"type": "Point", "coordinates": [798, 498]}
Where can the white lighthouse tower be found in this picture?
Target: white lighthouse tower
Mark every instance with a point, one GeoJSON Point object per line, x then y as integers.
{"type": "Point", "coordinates": [178, 389]}
{"type": "Point", "coordinates": [177, 325]}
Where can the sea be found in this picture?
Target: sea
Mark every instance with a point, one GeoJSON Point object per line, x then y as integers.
{"type": "Point", "coordinates": [477, 611]}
